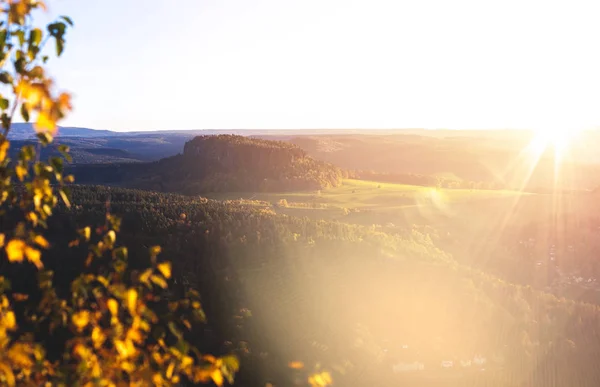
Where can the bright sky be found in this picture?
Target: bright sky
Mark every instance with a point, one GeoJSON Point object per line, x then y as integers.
{"type": "Point", "coordinates": [194, 64]}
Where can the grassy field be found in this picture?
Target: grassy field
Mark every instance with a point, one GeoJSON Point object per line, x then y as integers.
{"type": "Point", "coordinates": [370, 202]}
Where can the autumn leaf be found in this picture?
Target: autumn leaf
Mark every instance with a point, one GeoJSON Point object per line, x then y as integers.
{"type": "Point", "coordinates": [81, 319]}
{"type": "Point", "coordinates": [34, 256]}
{"type": "Point", "coordinates": [158, 281]}
{"type": "Point", "coordinates": [15, 250]}
{"type": "Point", "coordinates": [134, 335]}
{"type": "Point", "coordinates": [98, 337]}
{"type": "Point", "coordinates": [113, 306]}
{"type": "Point", "coordinates": [64, 102]}
{"type": "Point", "coordinates": [1, 240]}
{"type": "Point", "coordinates": [32, 217]}
{"type": "Point", "coordinates": [41, 241]}
{"type": "Point", "coordinates": [217, 377]}
{"type": "Point", "coordinates": [9, 321]}
{"type": "Point", "coordinates": [154, 251]}
{"type": "Point", "coordinates": [125, 348]}
{"type": "Point", "coordinates": [9, 377]}
{"type": "Point", "coordinates": [112, 236]}
{"type": "Point", "coordinates": [165, 269]}
{"type": "Point", "coordinates": [86, 233]}
{"type": "Point", "coordinates": [65, 198]}
{"type": "Point", "coordinates": [45, 123]}
{"type": "Point", "coordinates": [21, 172]}
{"type": "Point", "coordinates": [20, 355]}
{"type": "Point", "coordinates": [4, 145]}
{"type": "Point", "coordinates": [170, 369]}
{"type": "Point", "coordinates": [132, 298]}
{"type": "Point", "coordinates": [145, 276]}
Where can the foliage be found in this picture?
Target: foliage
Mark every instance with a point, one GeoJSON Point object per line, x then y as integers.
{"type": "Point", "coordinates": [109, 326]}
{"type": "Point", "coordinates": [342, 294]}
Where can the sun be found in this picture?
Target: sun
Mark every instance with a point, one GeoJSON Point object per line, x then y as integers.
{"type": "Point", "coordinates": [556, 139]}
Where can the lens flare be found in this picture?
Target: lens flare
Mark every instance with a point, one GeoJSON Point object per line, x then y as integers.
{"type": "Point", "coordinates": [556, 139]}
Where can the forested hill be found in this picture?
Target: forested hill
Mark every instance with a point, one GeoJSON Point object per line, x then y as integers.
{"type": "Point", "coordinates": [221, 163]}
{"type": "Point", "coordinates": [282, 289]}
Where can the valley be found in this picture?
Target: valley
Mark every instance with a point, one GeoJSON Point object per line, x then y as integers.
{"type": "Point", "coordinates": [381, 281]}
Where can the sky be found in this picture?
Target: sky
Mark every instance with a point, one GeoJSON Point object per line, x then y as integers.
{"type": "Point", "coordinates": [224, 64]}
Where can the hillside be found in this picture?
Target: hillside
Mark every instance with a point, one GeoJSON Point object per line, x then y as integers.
{"type": "Point", "coordinates": [221, 163]}
{"type": "Point", "coordinates": [347, 296]}
{"type": "Point", "coordinates": [480, 159]}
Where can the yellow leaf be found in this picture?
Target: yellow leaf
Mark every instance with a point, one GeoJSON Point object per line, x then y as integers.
{"type": "Point", "coordinates": [86, 233]}
{"type": "Point", "coordinates": [296, 365]}
{"type": "Point", "coordinates": [34, 256]}
{"type": "Point", "coordinates": [37, 200]}
{"type": "Point", "coordinates": [186, 362]}
{"type": "Point", "coordinates": [159, 281]}
{"type": "Point", "coordinates": [112, 237]}
{"type": "Point", "coordinates": [157, 379]}
{"type": "Point", "coordinates": [217, 377]}
{"type": "Point", "coordinates": [128, 366]}
{"type": "Point", "coordinates": [20, 355]}
{"type": "Point", "coordinates": [154, 251]}
{"type": "Point", "coordinates": [125, 348]}
{"type": "Point", "coordinates": [65, 198]}
{"type": "Point", "coordinates": [41, 241]}
{"type": "Point", "coordinates": [45, 123]}
{"type": "Point", "coordinates": [209, 358]}
{"type": "Point", "coordinates": [170, 369]}
{"type": "Point", "coordinates": [121, 347]}
{"type": "Point", "coordinates": [165, 269]}
{"type": "Point", "coordinates": [4, 145]}
{"type": "Point", "coordinates": [32, 93]}
{"type": "Point", "coordinates": [33, 218]}
{"type": "Point", "coordinates": [64, 102]}
{"type": "Point", "coordinates": [1, 240]}
{"type": "Point", "coordinates": [21, 172]}
{"type": "Point", "coordinates": [113, 306]}
{"type": "Point", "coordinates": [134, 335]}
{"type": "Point", "coordinates": [9, 377]}
{"type": "Point", "coordinates": [145, 276]}
{"type": "Point", "coordinates": [132, 297]}
{"type": "Point", "coordinates": [81, 319]}
{"type": "Point", "coordinates": [15, 250]}
{"type": "Point", "coordinates": [98, 337]}
{"type": "Point", "coordinates": [202, 376]}
{"type": "Point", "coordinates": [9, 321]}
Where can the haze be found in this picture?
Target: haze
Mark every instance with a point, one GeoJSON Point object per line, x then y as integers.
{"type": "Point", "coordinates": [331, 64]}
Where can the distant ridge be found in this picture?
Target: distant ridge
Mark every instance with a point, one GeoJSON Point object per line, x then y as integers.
{"type": "Point", "coordinates": [23, 131]}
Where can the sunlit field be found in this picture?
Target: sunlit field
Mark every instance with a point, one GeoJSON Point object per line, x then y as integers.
{"type": "Point", "coordinates": [361, 194]}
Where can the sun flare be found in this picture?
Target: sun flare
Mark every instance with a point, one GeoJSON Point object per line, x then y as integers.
{"type": "Point", "coordinates": [558, 140]}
